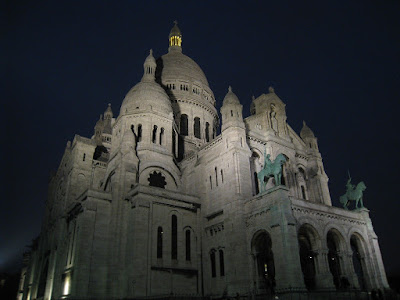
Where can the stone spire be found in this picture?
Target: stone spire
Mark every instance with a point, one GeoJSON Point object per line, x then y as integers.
{"type": "Point", "coordinates": [149, 67]}
{"type": "Point", "coordinates": [175, 38]}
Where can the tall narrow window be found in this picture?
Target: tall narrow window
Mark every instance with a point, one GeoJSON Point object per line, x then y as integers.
{"type": "Point", "coordinates": [159, 242]}
{"type": "Point", "coordinates": [174, 237]}
{"type": "Point", "coordinates": [303, 192]}
{"type": "Point", "coordinates": [207, 132]}
{"type": "Point", "coordinates": [216, 177]}
{"type": "Point", "coordinates": [221, 263]}
{"type": "Point", "coordinates": [154, 138]}
{"type": "Point", "coordinates": [139, 134]}
{"type": "Point", "coordinates": [196, 127]}
{"type": "Point", "coordinates": [188, 257]}
{"type": "Point", "coordinates": [213, 267]}
{"type": "Point", "coordinates": [84, 156]}
{"type": "Point", "coordinates": [222, 176]}
{"type": "Point", "coordinates": [184, 125]}
{"type": "Point", "coordinates": [173, 142]}
{"type": "Point", "coordinates": [256, 183]}
{"type": "Point", "coordinates": [210, 182]}
{"type": "Point", "coordinates": [161, 135]}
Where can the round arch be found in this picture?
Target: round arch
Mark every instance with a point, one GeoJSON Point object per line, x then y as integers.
{"type": "Point", "coordinates": [261, 249]}
{"type": "Point", "coordinates": [309, 242]}
{"type": "Point", "coordinates": [359, 256]}
{"type": "Point", "coordinates": [336, 244]}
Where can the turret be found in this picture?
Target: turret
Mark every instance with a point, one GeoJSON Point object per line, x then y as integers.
{"type": "Point", "coordinates": [149, 66]}
{"type": "Point", "coordinates": [308, 137]}
{"type": "Point", "coordinates": [231, 111]}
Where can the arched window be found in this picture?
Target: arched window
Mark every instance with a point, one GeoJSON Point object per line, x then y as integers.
{"type": "Point", "coordinates": [221, 263]}
{"type": "Point", "coordinates": [174, 237]}
{"type": "Point", "coordinates": [159, 242]}
{"type": "Point", "coordinates": [154, 138]}
{"type": "Point", "coordinates": [196, 127]}
{"type": "Point", "coordinates": [184, 125]}
{"type": "Point", "coordinates": [213, 267]}
{"type": "Point", "coordinates": [207, 132]}
{"type": "Point", "coordinates": [188, 250]}
{"type": "Point", "coordinates": [139, 134]}
{"type": "Point", "coordinates": [161, 135]}
{"type": "Point", "coordinates": [214, 133]}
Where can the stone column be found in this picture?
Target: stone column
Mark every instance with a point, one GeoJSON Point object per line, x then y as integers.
{"type": "Point", "coordinates": [323, 278]}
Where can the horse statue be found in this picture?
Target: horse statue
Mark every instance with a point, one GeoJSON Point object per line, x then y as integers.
{"type": "Point", "coordinates": [353, 194]}
{"type": "Point", "coordinates": [271, 169]}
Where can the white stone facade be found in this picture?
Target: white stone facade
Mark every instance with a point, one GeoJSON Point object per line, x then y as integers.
{"type": "Point", "coordinates": [156, 203]}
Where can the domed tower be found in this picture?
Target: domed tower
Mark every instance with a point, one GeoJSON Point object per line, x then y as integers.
{"type": "Point", "coordinates": [308, 137]}
{"type": "Point", "coordinates": [145, 134]}
{"type": "Point", "coordinates": [231, 111]}
{"type": "Point", "coordinates": [193, 101]}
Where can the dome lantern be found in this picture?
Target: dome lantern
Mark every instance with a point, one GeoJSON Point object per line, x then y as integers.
{"type": "Point", "coordinates": [175, 38]}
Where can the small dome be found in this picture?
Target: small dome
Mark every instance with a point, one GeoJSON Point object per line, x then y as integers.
{"type": "Point", "coordinates": [306, 132]}
{"type": "Point", "coordinates": [147, 94]}
{"type": "Point", "coordinates": [230, 98]}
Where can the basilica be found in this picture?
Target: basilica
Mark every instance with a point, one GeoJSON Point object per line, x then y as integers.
{"type": "Point", "coordinates": [170, 197]}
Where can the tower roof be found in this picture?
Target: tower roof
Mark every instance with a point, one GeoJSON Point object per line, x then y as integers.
{"type": "Point", "coordinates": [147, 93]}
{"type": "Point", "coordinates": [306, 132]}
{"type": "Point", "coordinates": [175, 38]}
{"type": "Point", "coordinates": [175, 31]}
{"type": "Point", "coordinates": [230, 98]}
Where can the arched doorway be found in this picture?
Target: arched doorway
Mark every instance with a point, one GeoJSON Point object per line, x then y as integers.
{"type": "Point", "coordinates": [264, 263]}
{"type": "Point", "coordinates": [358, 259]}
{"type": "Point", "coordinates": [308, 238]}
{"type": "Point", "coordinates": [333, 240]}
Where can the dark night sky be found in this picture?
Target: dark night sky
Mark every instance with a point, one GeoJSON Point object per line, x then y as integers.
{"type": "Point", "coordinates": [335, 64]}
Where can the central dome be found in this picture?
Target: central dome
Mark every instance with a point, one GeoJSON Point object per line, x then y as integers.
{"type": "Point", "coordinates": [177, 66]}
